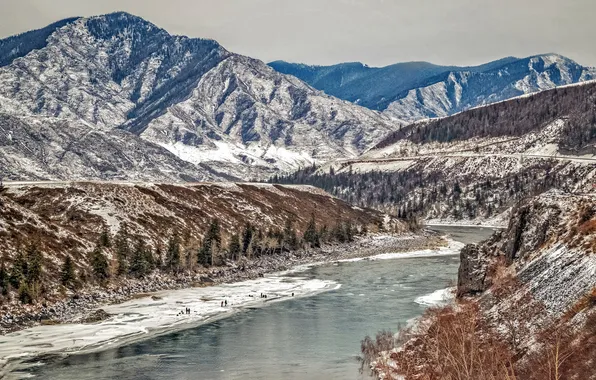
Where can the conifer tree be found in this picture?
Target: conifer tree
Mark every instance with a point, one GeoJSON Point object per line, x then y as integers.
{"type": "Point", "coordinates": [247, 238]}
{"type": "Point", "coordinates": [150, 259]}
{"type": "Point", "coordinates": [67, 272]}
{"type": "Point", "coordinates": [139, 266]}
{"type": "Point", "coordinates": [4, 277]}
{"type": "Point", "coordinates": [24, 293]}
{"type": "Point", "coordinates": [105, 239]}
{"type": "Point", "coordinates": [234, 248]}
{"type": "Point", "coordinates": [311, 235]}
{"type": "Point", "coordinates": [18, 272]}
{"type": "Point", "coordinates": [290, 238]}
{"type": "Point", "coordinates": [122, 245]}
{"type": "Point", "coordinates": [173, 253]}
{"type": "Point", "coordinates": [211, 243]}
{"type": "Point", "coordinates": [323, 233]}
{"type": "Point", "coordinates": [338, 233]}
{"type": "Point", "coordinates": [99, 265]}
{"type": "Point", "coordinates": [349, 232]}
{"type": "Point", "coordinates": [35, 266]}
{"type": "Point", "coordinates": [158, 257]}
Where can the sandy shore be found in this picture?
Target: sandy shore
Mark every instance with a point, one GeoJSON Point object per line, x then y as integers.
{"type": "Point", "coordinates": [157, 313]}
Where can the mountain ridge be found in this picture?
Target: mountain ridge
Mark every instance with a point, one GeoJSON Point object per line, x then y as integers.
{"type": "Point", "coordinates": [188, 96]}
{"type": "Point", "coordinates": [441, 90]}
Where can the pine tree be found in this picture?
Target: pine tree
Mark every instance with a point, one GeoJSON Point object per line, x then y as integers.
{"type": "Point", "coordinates": [211, 243]}
{"type": "Point", "coordinates": [24, 293]}
{"type": "Point", "coordinates": [188, 259]}
{"type": "Point", "coordinates": [4, 277]}
{"type": "Point", "coordinates": [150, 259]}
{"type": "Point", "coordinates": [290, 238]}
{"type": "Point", "coordinates": [349, 231]}
{"type": "Point", "coordinates": [311, 235]}
{"type": "Point", "coordinates": [99, 265]}
{"type": "Point", "coordinates": [173, 253]}
{"type": "Point", "coordinates": [105, 239]}
{"type": "Point", "coordinates": [122, 250]}
{"type": "Point", "coordinates": [18, 272]}
{"type": "Point", "coordinates": [139, 266]}
{"type": "Point", "coordinates": [234, 248]}
{"type": "Point", "coordinates": [324, 233]}
{"type": "Point", "coordinates": [338, 233]}
{"type": "Point", "coordinates": [35, 267]}
{"type": "Point", "coordinates": [158, 258]}
{"type": "Point", "coordinates": [67, 273]}
{"type": "Point", "coordinates": [246, 238]}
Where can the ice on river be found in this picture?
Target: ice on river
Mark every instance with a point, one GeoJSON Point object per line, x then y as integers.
{"type": "Point", "coordinates": [437, 298]}
{"type": "Point", "coordinates": [453, 247]}
{"type": "Point", "coordinates": [163, 313]}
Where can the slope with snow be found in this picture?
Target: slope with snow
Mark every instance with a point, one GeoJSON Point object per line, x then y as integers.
{"type": "Point", "coordinates": [419, 90]}
{"type": "Point", "coordinates": [218, 113]}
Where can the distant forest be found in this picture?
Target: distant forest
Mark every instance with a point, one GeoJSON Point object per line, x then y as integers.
{"type": "Point", "coordinates": [417, 193]}
{"type": "Point", "coordinates": [515, 118]}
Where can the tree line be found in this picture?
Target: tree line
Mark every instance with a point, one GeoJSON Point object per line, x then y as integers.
{"type": "Point", "coordinates": [419, 193]}
{"type": "Point", "coordinates": [133, 257]}
{"type": "Point", "coordinates": [516, 117]}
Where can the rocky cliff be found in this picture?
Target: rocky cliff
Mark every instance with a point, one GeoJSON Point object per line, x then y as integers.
{"type": "Point", "coordinates": [549, 247]}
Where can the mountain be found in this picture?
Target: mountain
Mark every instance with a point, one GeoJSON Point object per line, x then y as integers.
{"type": "Point", "coordinates": [418, 90]}
{"type": "Point", "coordinates": [179, 104]}
{"type": "Point", "coordinates": [473, 167]}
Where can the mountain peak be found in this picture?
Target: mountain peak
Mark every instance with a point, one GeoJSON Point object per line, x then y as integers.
{"type": "Point", "coordinates": [22, 44]}
{"type": "Point", "coordinates": [113, 24]}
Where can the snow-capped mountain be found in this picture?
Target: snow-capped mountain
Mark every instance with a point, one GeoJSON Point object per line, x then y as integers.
{"type": "Point", "coordinates": [187, 106]}
{"type": "Point", "coordinates": [420, 90]}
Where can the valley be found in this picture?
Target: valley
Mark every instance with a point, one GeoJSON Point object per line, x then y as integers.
{"type": "Point", "coordinates": [171, 208]}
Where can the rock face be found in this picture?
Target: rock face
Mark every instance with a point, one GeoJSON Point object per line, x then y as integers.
{"type": "Point", "coordinates": [472, 275]}
{"type": "Point", "coordinates": [420, 90]}
{"type": "Point", "coordinates": [549, 248]}
{"type": "Point", "coordinates": [182, 105]}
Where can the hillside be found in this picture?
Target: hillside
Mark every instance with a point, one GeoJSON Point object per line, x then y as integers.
{"type": "Point", "coordinates": [527, 302]}
{"type": "Point", "coordinates": [420, 90]}
{"type": "Point", "coordinates": [68, 218]}
{"type": "Point", "coordinates": [476, 165]}
{"type": "Point", "coordinates": [167, 108]}
{"type": "Point", "coordinates": [76, 245]}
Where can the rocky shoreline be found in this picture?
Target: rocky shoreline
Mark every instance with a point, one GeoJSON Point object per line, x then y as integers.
{"type": "Point", "coordinates": [80, 306]}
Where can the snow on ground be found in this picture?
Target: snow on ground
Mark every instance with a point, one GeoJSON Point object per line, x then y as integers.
{"type": "Point", "coordinates": [142, 318]}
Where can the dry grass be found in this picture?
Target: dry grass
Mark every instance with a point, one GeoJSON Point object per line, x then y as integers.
{"type": "Point", "coordinates": [461, 343]}
{"type": "Point", "coordinates": [456, 343]}
{"type": "Point", "coordinates": [69, 220]}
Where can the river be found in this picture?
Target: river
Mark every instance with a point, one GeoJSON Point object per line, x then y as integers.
{"type": "Point", "coordinates": [315, 337]}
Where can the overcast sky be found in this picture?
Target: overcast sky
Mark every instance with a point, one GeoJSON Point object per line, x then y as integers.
{"type": "Point", "coordinates": [376, 32]}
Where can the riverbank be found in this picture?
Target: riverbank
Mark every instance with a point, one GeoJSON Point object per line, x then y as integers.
{"type": "Point", "coordinates": [147, 315]}
{"type": "Point", "coordinates": [77, 307]}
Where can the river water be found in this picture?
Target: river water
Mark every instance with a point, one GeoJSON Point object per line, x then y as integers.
{"type": "Point", "coordinates": [316, 337]}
